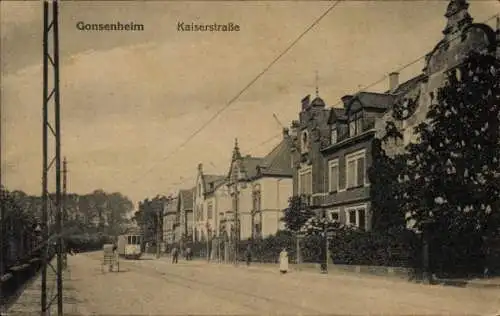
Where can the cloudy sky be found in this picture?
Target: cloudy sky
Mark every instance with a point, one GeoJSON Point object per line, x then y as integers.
{"type": "Point", "coordinates": [130, 99]}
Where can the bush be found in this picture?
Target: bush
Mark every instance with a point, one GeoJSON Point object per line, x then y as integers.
{"type": "Point", "coordinates": [396, 249]}
{"type": "Point", "coordinates": [268, 249]}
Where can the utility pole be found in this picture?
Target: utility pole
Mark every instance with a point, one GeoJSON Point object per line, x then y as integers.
{"type": "Point", "coordinates": [64, 205]}
{"type": "Point", "coordinates": [158, 230]}
{"type": "Point", "coordinates": [51, 97]}
{"type": "Point", "coordinates": [237, 222]}
{"type": "Point", "coordinates": [160, 205]}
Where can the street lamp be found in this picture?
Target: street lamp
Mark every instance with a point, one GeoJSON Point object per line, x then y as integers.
{"type": "Point", "coordinates": [278, 210]}
{"type": "Point", "coordinates": [236, 192]}
{"type": "Point", "coordinates": [207, 225]}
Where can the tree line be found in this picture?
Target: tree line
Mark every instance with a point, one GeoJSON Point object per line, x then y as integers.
{"type": "Point", "coordinates": [95, 212]}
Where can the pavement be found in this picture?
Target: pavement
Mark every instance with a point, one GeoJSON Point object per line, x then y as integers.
{"type": "Point", "coordinates": [29, 302]}
{"type": "Point", "coordinates": [493, 282]}
{"type": "Point", "coordinates": [157, 287]}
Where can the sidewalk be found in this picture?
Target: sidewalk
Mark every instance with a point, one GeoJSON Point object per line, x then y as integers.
{"type": "Point", "coordinates": [29, 302]}
{"type": "Point", "coordinates": [315, 269]}
{"type": "Point", "coordinates": [493, 282]}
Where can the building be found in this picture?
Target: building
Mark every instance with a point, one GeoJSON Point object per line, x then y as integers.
{"type": "Point", "coordinates": [260, 188]}
{"type": "Point", "coordinates": [413, 98]}
{"type": "Point", "coordinates": [207, 197]}
{"type": "Point", "coordinates": [333, 147]}
{"type": "Point", "coordinates": [332, 154]}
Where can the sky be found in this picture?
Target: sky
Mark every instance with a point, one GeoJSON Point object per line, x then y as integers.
{"type": "Point", "coordinates": [129, 100]}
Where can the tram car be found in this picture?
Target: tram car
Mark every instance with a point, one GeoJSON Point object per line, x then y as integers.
{"type": "Point", "coordinates": [129, 246]}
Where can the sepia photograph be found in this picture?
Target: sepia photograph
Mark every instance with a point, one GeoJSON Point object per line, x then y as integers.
{"type": "Point", "coordinates": [250, 157]}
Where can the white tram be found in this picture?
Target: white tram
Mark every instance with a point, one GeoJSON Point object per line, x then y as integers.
{"type": "Point", "coordinates": [129, 246]}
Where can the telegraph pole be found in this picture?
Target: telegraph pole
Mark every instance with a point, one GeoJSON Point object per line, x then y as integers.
{"type": "Point", "coordinates": [51, 98]}
{"type": "Point", "coordinates": [64, 205]}
{"type": "Point", "coordinates": [237, 222]}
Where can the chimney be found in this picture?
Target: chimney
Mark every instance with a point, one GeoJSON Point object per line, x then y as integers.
{"type": "Point", "coordinates": [305, 102]}
{"type": "Point", "coordinates": [346, 99]}
{"type": "Point", "coordinates": [393, 81]}
{"type": "Point", "coordinates": [200, 167]}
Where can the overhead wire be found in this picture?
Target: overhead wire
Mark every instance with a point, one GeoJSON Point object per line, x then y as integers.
{"type": "Point", "coordinates": [410, 63]}
{"type": "Point", "coordinates": [246, 87]}
{"type": "Point", "coordinates": [405, 66]}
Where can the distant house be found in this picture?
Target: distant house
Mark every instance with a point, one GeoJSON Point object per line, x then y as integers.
{"type": "Point", "coordinates": [206, 200]}
{"type": "Point", "coordinates": [259, 189]}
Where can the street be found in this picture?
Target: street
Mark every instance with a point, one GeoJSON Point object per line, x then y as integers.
{"type": "Point", "coordinates": [151, 286]}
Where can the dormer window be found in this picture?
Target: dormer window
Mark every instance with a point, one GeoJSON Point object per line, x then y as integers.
{"type": "Point", "coordinates": [334, 135]}
{"type": "Point", "coordinates": [356, 124]}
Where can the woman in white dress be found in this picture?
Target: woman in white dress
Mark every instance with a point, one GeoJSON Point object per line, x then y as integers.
{"type": "Point", "coordinates": [283, 261]}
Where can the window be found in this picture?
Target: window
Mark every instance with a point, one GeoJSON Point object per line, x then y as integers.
{"type": "Point", "coordinates": [202, 216]}
{"type": "Point", "coordinates": [199, 190]}
{"type": "Point", "coordinates": [356, 216]}
{"type": "Point", "coordinates": [356, 124]}
{"type": "Point", "coordinates": [333, 215]}
{"type": "Point", "coordinates": [356, 169]}
{"type": "Point", "coordinates": [334, 134]}
{"type": "Point", "coordinates": [305, 181]}
{"type": "Point", "coordinates": [333, 175]}
{"type": "Point", "coordinates": [304, 142]}
{"type": "Point", "coordinates": [209, 210]}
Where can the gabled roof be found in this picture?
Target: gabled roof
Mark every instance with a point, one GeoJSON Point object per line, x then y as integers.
{"type": "Point", "coordinates": [278, 161]}
{"type": "Point", "coordinates": [407, 85]}
{"type": "Point", "coordinates": [215, 180]}
{"type": "Point", "coordinates": [249, 165]}
{"type": "Point", "coordinates": [374, 100]}
{"type": "Point", "coordinates": [336, 114]}
{"type": "Point", "coordinates": [172, 207]}
{"type": "Point", "coordinates": [186, 196]}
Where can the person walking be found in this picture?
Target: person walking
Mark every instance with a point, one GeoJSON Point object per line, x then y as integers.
{"type": "Point", "coordinates": [248, 255]}
{"type": "Point", "coordinates": [175, 255]}
{"type": "Point", "coordinates": [283, 261]}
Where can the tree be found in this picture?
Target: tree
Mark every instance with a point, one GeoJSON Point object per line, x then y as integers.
{"type": "Point", "coordinates": [296, 214]}
{"type": "Point", "coordinates": [384, 186]}
{"type": "Point", "coordinates": [452, 176]}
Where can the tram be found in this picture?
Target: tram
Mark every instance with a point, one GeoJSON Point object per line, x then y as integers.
{"type": "Point", "coordinates": [129, 246]}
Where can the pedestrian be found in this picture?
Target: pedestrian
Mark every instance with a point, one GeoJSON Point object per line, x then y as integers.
{"type": "Point", "coordinates": [248, 255]}
{"type": "Point", "coordinates": [189, 255]}
{"type": "Point", "coordinates": [175, 255]}
{"type": "Point", "coordinates": [283, 261]}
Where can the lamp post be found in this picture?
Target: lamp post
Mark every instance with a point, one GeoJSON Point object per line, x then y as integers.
{"type": "Point", "coordinates": [236, 226]}
{"type": "Point", "coordinates": [278, 210]}
{"type": "Point", "coordinates": [207, 225]}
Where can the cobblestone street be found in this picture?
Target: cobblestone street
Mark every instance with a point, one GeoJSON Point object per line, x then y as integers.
{"type": "Point", "coordinates": [151, 286]}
